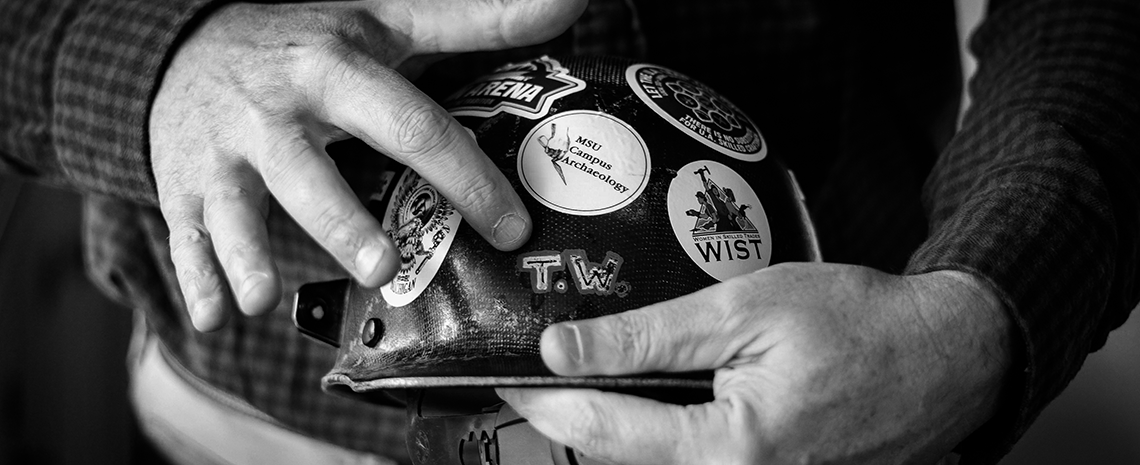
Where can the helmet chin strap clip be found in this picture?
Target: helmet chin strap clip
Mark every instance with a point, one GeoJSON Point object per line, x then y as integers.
{"type": "Point", "coordinates": [472, 426]}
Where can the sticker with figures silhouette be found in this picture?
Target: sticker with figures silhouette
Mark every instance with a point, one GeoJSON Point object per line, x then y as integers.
{"type": "Point", "coordinates": [422, 224]}
{"type": "Point", "coordinates": [697, 111]}
{"type": "Point", "coordinates": [584, 163]}
{"type": "Point", "coordinates": [719, 220]}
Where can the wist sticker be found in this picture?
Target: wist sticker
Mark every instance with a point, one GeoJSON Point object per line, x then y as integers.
{"type": "Point", "coordinates": [584, 163]}
{"type": "Point", "coordinates": [423, 225]}
{"type": "Point", "coordinates": [525, 89]}
{"type": "Point", "coordinates": [697, 111]}
{"type": "Point", "coordinates": [719, 220]}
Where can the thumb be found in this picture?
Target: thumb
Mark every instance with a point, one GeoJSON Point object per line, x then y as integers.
{"type": "Point", "coordinates": [694, 332]}
{"type": "Point", "coordinates": [464, 25]}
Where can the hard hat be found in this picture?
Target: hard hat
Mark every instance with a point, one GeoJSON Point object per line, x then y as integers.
{"type": "Point", "coordinates": [643, 185]}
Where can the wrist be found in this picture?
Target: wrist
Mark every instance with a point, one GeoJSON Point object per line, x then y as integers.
{"type": "Point", "coordinates": [975, 341]}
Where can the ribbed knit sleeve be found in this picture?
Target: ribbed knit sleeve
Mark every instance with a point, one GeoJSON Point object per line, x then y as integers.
{"type": "Point", "coordinates": [76, 81]}
{"type": "Point", "coordinates": [1039, 193]}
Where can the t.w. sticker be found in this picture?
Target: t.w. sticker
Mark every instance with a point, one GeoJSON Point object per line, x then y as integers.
{"type": "Point", "coordinates": [524, 89]}
{"type": "Point", "coordinates": [697, 111]}
{"type": "Point", "coordinates": [551, 270]}
{"type": "Point", "coordinates": [719, 220]}
{"type": "Point", "coordinates": [422, 224]}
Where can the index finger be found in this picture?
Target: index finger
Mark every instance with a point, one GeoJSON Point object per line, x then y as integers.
{"type": "Point", "coordinates": [377, 105]}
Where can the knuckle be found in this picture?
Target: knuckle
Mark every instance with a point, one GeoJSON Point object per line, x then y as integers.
{"type": "Point", "coordinates": [287, 158]}
{"type": "Point", "coordinates": [329, 58]}
{"type": "Point", "coordinates": [332, 225]}
{"type": "Point", "coordinates": [421, 129]}
{"type": "Point", "coordinates": [223, 196]}
{"type": "Point", "coordinates": [187, 238]}
{"type": "Point", "coordinates": [476, 190]}
{"type": "Point", "coordinates": [242, 251]}
{"type": "Point", "coordinates": [198, 278]}
{"type": "Point", "coordinates": [634, 338]}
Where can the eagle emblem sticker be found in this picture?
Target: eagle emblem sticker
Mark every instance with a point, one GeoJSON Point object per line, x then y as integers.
{"type": "Point", "coordinates": [525, 89]}
{"type": "Point", "coordinates": [697, 111]}
{"type": "Point", "coordinates": [584, 163]}
{"type": "Point", "coordinates": [422, 224]}
{"type": "Point", "coordinates": [719, 220]}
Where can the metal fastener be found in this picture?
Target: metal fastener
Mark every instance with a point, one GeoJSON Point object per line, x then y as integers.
{"type": "Point", "coordinates": [373, 331]}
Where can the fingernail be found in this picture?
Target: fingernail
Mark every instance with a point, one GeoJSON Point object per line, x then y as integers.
{"type": "Point", "coordinates": [368, 259]}
{"type": "Point", "coordinates": [509, 229]}
{"type": "Point", "coordinates": [572, 342]}
{"type": "Point", "coordinates": [250, 284]}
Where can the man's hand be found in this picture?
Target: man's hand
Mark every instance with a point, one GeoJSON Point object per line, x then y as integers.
{"type": "Point", "coordinates": [254, 94]}
{"type": "Point", "coordinates": [815, 363]}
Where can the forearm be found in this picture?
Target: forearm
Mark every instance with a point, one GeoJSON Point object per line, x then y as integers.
{"type": "Point", "coordinates": [80, 77]}
{"type": "Point", "coordinates": [1037, 195]}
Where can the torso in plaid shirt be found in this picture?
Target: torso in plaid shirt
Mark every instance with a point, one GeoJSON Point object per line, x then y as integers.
{"type": "Point", "coordinates": [1037, 193]}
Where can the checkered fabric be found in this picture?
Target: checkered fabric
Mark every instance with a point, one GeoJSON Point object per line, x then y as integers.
{"type": "Point", "coordinates": [1037, 193]}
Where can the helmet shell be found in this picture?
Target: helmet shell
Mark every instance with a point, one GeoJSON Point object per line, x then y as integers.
{"type": "Point", "coordinates": [643, 185]}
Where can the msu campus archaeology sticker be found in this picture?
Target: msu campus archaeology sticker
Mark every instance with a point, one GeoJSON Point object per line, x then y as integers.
{"type": "Point", "coordinates": [698, 111]}
{"type": "Point", "coordinates": [525, 89]}
{"type": "Point", "coordinates": [584, 163]}
{"type": "Point", "coordinates": [422, 224]}
{"type": "Point", "coordinates": [718, 219]}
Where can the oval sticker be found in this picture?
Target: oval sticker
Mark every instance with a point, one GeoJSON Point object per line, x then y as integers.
{"type": "Point", "coordinates": [584, 163]}
{"type": "Point", "coordinates": [698, 111]}
{"type": "Point", "coordinates": [422, 224]}
{"type": "Point", "coordinates": [719, 220]}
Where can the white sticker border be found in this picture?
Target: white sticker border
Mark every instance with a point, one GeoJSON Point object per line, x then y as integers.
{"type": "Point", "coordinates": [765, 232]}
{"type": "Point", "coordinates": [569, 211]}
{"type": "Point", "coordinates": [631, 80]}
{"type": "Point", "coordinates": [438, 254]}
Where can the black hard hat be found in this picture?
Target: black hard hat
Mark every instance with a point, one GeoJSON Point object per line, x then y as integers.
{"type": "Point", "coordinates": [643, 185]}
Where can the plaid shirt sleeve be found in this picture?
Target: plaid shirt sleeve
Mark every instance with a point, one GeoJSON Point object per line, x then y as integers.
{"type": "Point", "coordinates": [76, 81]}
{"type": "Point", "coordinates": [1039, 193]}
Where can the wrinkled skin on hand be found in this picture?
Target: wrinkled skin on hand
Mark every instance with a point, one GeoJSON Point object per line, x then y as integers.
{"type": "Point", "coordinates": [256, 92]}
{"type": "Point", "coordinates": [815, 363]}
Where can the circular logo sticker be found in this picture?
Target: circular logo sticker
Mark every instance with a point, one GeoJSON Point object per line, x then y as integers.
{"type": "Point", "coordinates": [698, 111]}
{"type": "Point", "coordinates": [422, 224]}
{"type": "Point", "coordinates": [718, 219]}
{"type": "Point", "coordinates": [584, 163]}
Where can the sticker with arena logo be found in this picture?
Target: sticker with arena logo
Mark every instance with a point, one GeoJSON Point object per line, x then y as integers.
{"type": "Point", "coordinates": [524, 89]}
{"type": "Point", "coordinates": [718, 219]}
{"type": "Point", "coordinates": [423, 225]}
{"type": "Point", "coordinates": [697, 111]}
{"type": "Point", "coordinates": [584, 162]}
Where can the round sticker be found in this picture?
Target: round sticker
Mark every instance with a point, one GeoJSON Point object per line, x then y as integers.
{"type": "Point", "coordinates": [422, 224]}
{"type": "Point", "coordinates": [698, 111]}
{"type": "Point", "coordinates": [719, 220]}
{"type": "Point", "coordinates": [584, 163]}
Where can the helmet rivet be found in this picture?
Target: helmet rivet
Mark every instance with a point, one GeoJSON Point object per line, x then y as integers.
{"type": "Point", "coordinates": [373, 331]}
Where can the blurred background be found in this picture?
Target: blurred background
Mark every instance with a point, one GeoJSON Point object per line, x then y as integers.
{"type": "Point", "coordinates": [63, 379]}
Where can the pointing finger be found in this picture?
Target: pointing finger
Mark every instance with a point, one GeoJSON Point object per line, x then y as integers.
{"type": "Point", "coordinates": [306, 183]}
{"type": "Point", "coordinates": [378, 106]}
